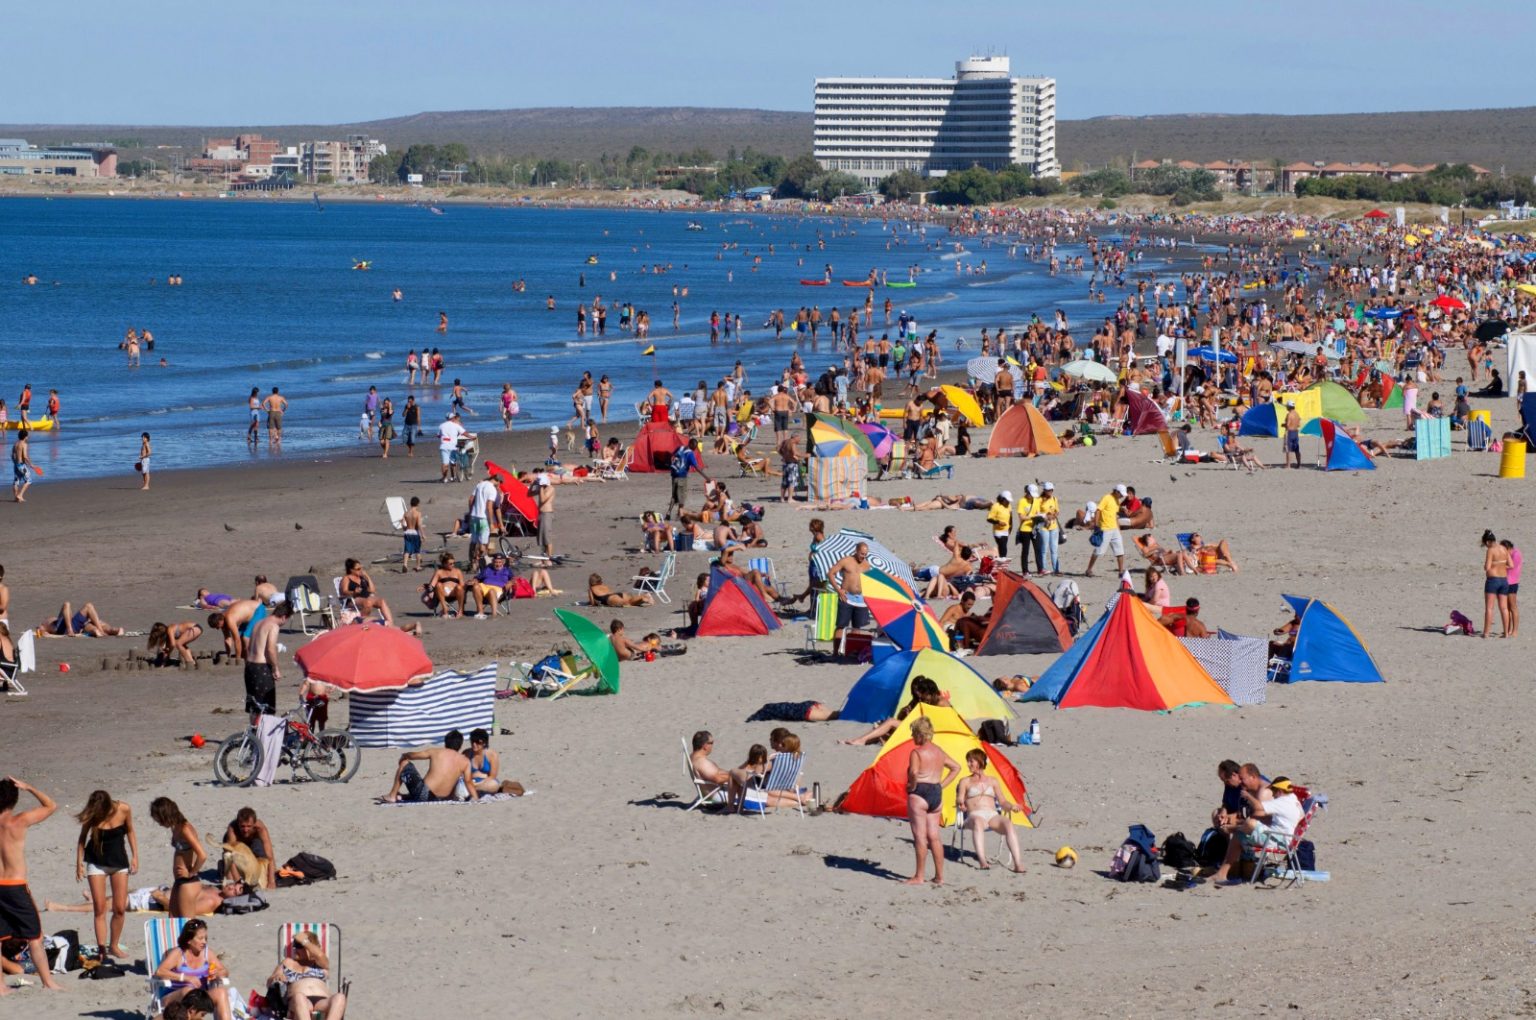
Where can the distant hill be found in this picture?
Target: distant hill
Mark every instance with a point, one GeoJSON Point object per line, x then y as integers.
{"type": "Point", "coordinates": [1491, 138]}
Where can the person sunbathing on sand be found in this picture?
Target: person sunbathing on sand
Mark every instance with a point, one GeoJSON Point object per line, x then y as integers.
{"type": "Point", "coordinates": [85, 622]}
{"type": "Point", "coordinates": [448, 773]}
{"type": "Point", "coordinates": [1223, 550]}
{"type": "Point", "coordinates": [485, 766]}
{"type": "Point", "coordinates": [599, 594]}
{"type": "Point", "coordinates": [1176, 560]}
{"type": "Point", "coordinates": [157, 899]}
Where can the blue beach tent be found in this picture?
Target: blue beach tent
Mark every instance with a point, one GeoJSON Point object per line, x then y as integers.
{"type": "Point", "coordinates": [1261, 420]}
{"type": "Point", "coordinates": [1341, 452]}
{"type": "Point", "coordinates": [1327, 647]}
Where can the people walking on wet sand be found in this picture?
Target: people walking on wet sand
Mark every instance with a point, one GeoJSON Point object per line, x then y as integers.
{"type": "Point", "coordinates": [276, 405]}
{"type": "Point", "coordinates": [22, 468]}
{"type": "Point", "coordinates": [142, 466]}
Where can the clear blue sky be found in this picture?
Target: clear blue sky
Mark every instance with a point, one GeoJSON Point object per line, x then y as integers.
{"type": "Point", "coordinates": [326, 61]}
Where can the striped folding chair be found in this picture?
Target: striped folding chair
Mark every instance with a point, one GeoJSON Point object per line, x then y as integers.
{"type": "Point", "coordinates": [160, 935]}
{"type": "Point", "coordinates": [783, 775]}
{"type": "Point", "coordinates": [328, 935]}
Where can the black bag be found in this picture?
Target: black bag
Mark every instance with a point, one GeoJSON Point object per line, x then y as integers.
{"type": "Point", "coordinates": [1179, 853]}
{"type": "Point", "coordinates": [313, 867]}
{"type": "Point", "coordinates": [1213, 848]}
{"type": "Point", "coordinates": [277, 1000]}
{"type": "Point", "coordinates": [246, 903]}
{"type": "Point", "coordinates": [1306, 855]}
{"type": "Point", "coordinates": [71, 954]}
{"type": "Point", "coordinates": [994, 731]}
{"type": "Point", "coordinates": [1141, 867]}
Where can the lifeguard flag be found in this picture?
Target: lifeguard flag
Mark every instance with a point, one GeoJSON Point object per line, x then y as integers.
{"type": "Point", "coordinates": [651, 350]}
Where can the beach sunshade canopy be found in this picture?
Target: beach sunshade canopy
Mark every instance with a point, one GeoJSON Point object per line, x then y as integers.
{"type": "Point", "coordinates": [1143, 416]}
{"type": "Point", "coordinates": [1383, 313]}
{"type": "Point", "coordinates": [905, 617]}
{"type": "Point", "coordinates": [733, 608]}
{"type": "Point", "coordinates": [887, 685]}
{"type": "Point", "coordinates": [654, 446]}
{"type": "Point", "coordinates": [1093, 371]}
{"type": "Point", "coordinates": [982, 369]}
{"type": "Point", "coordinates": [1336, 402]}
{"type": "Point", "coordinates": [514, 492]}
{"type": "Point", "coordinates": [881, 789]}
{"type": "Point", "coordinates": [1024, 620]}
{"type": "Point", "coordinates": [1127, 659]}
{"type": "Point", "coordinates": [1224, 357]}
{"type": "Point", "coordinates": [594, 644]}
{"type": "Point", "coordinates": [1449, 302]}
{"type": "Point", "coordinates": [882, 439]}
{"type": "Point", "coordinates": [1305, 349]}
{"type": "Point", "coordinates": [1022, 431]}
{"type": "Point", "coordinates": [365, 657]}
{"type": "Point", "coordinates": [963, 402]}
{"type": "Point", "coordinates": [1492, 329]}
{"type": "Point", "coordinates": [1261, 420]}
{"type": "Point", "coordinates": [826, 428]}
{"type": "Point", "coordinates": [842, 543]}
{"type": "Point", "coordinates": [1376, 214]}
{"type": "Point", "coordinates": [1341, 452]}
{"type": "Point", "coordinates": [1327, 645]}
{"type": "Point", "coordinates": [423, 714]}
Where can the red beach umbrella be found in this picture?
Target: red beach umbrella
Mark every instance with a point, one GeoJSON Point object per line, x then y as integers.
{"type": "Point", "coordinates": [1376, 214]}
{"type": "Point", "coordinates": [514, 491]}
{"type": "Point", "coordinates": [365, 657]}
{"type": "Point", "coordinates": [1449, 303]}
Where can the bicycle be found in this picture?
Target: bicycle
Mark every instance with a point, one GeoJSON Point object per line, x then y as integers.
{"type": "Point", "coordinates": [325, 757]}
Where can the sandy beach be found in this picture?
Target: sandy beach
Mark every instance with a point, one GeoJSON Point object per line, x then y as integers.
{"type": "Point", "coordinates": [600, 896]}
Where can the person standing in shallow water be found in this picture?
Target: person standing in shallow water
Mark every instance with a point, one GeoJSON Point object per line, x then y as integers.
{"type": "Point", "coordinates": [143, 464]}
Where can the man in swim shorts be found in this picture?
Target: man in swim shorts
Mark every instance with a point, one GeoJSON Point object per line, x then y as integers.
{"type": "Point", "coordinates": [18, 913]}
{"type": "Point", "coordinates": [1292, 434]}
{"type": "Point", "coordinates": [276, 405]}
{"type": "Point", "coordinates": [447, 768]}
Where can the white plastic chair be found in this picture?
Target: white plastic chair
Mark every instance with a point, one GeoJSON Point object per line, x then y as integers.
{"type": "Point", "coordinates": [714, 795]}
{"type": "Point", "coordinates": [656, 584]}
{"type": "Point", "coordinates": [394, 506]}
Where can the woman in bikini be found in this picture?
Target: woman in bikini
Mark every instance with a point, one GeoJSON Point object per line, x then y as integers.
{"type": "Point", "coordinates": [187, 856]}
{"type": "Point", "coordinates": [305, 976]}
{"type": "Point", "coordinates": [929, 770]}
{"type": "Point", "coordinates": [191, 966]}
{"type": "Point", "coordinates": [599, 594]}
{"type": "Point", "coordinates": [445, 586]}
{"type": "Point", "coordinates": [982, 798]}
{"type": "Point", "coordinates": [173, 641]}
{"type": "Point", "coordinates": [1495, 583]}
{"type": "Point", "coordinates": [359, 587]}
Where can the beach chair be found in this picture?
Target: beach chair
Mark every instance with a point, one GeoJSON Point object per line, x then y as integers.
{"type": "Point", "coordinates": [1170, 448]}
{"type": "Point", "coordinates": [962, 832]}
{"type": "Point", "coordinates": [10, 681]}
{"type": "Point", "coordinates": [328, 935]}
{"type": "Point", "coordinates": [557, 675]}
{"type": "Point", "coordinates": [304, 596]}
{"type": "Point", "coordinates": [764, 566]}
{"type": "Point", "coordinates": [339, 604]}
{"type": "Point", "coordinates": [1278, 853]}
{"type": "Point", "coordinates": [783, 775]}
{"type": "Point", "coordinates": [1228, 448]}
{"type": "Point", "coordinates": [656, 584]}
{"type": "Point", "coordinates": [715, 794]}
{"type": "Point", "coordinates": [160, 935]}
{"type": "Point", "coordinates": [933, 472]}
{"type": "Point", "coordinates": [394, 506]}
{"type": "Point", "coordinates": [823, 621]}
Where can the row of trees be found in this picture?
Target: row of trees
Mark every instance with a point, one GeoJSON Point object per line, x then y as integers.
{"type": "Point", "coordinates": [1183, 185]}
{"type": "Point", "coordinates": [1446, 184]}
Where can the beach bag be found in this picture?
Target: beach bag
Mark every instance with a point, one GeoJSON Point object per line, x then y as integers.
{"type": "Point", "coordinates": [1179, 853]}
{"type": "Point", "coordinates": [310, 868]}
{"type": "Point", "coordinates": [246, 903]}
{"type": "Point", "coordinates": [1213, 848]}
{"type": "Point", "coordinates": [994, 731]}
{"type": "Point", "coordinates": [1306, 855]}
{"type": "Point", "coordinates": [63, 951]}
{"type": "Point", "coordinates": [1136, 865]}
{"type": "Point", "coordinates": [1097, 538]}
{"type": "Point", "coordinates": [521, 588]}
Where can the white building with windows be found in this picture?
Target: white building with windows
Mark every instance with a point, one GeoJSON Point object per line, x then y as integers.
{"type": "Point", "coordinates": [872, 127]}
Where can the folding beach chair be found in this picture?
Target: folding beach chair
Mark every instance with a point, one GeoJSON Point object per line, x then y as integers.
{"type": "Point", "coordinates": [558, 674]}
{"type": "Point", "coordinates": [933, 472]}
{"type": "Point", "coordinates": [783, 775]}
{"type": "Point", "coordinates": [656, 584]}
{"type": "Point", "coordinates": [1227, 448]}
{"type": "Point", "coordinates": [394, 506]}
{"type": "Point", "coordinates": [10, 681]}
{"type": "Point", "coordinates": [1170, 449]}
{"type": "Point", "coordinates": [962, 832]}
{"type": "Point", "coordinates": [328, 935]}
{"type": "Point", "coordinates": [1278, 851]}
{"type": "Point", "coordinates": [160, 935]}
{"type": "Point", "coordinates": [824, 623]}
{"type": "Point", "coordinates": [715, 794]}
{"type": "Point", "coordinates": [764, 566]}
{"type": "Point", "coordinates": [341, 605]}
{"type": "Point", "coordinates": [304, 596]}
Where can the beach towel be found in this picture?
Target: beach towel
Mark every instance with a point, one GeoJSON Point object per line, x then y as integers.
{"type": "Point", "coordinates": [26, 652]}
{"type": "Point", "coordinates": [269, 734]}
{"type": "Point", "coordinates": [485, 798]}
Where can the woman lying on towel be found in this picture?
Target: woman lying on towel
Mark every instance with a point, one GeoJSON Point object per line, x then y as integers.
{"type": "Point", "coordinates": [599, 594]}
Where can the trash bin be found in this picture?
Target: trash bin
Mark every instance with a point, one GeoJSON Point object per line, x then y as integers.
{"type": "Point", "coordinates": [1512, 461]}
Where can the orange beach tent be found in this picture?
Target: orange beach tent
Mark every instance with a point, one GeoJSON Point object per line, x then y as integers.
{"type": "Point", "coordinates": [881, 789]}
{"type": "Point", "coordinates": [1022, 431]}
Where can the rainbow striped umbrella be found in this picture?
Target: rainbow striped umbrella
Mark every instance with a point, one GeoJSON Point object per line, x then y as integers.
{"type": "Point", "coordinates": [905, 618]}
{"type": "Point", "coordinates": [880, 437]}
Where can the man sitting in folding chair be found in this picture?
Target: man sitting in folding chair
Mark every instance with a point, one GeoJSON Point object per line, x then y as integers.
{"type": "Point", "coordinates": [1272, 817]}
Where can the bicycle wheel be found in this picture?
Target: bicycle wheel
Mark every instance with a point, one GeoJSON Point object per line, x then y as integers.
{"type": "Point", "coordinates": [334, 760]}
{"type": "Point", "coordinates": [238, 759]}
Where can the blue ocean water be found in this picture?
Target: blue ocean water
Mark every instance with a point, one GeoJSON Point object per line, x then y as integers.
{"type": "Point", "coordinates": [270, 299]}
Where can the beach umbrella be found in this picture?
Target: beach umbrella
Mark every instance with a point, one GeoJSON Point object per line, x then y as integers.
{"type": "Point", "coordinates": [963, 402]}
{"type": "Point", "coordinates": [594, 644]}
{"type": "Point", "coordinates": [365, 657]}
{"type": "Point", "coordinates": [1376, 214]}
{"type": "Point", "coordinates": [1492, 329]}
{"type": "Point", "coordinates": [1383, 313]}
{"type": "Point", "coordinates": [1527, 288]}
{"type": "Point", "coordinates": [880, 437]}
{"type": "Point", "coordinates": [983, 369]}
{"type": "Point", "coordinates": [905, 618]}
{"type": "Point", "coordinates": [1211, 354]}
{"type": "Point", "coordinates": [849, 431]}
{"type": "Point", "coordinates": [1090, 370]}
{"type": "Point", "coordinates": [830, 441]}
{"type": "Point", "coordinates": [842, 542]}
{"type": "Point", "coordinates": [1448, 303]}
{"type": "Point", "coordinates": [514, 491]}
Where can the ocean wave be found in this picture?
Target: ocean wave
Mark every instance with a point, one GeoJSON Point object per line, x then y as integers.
{"type": "Point", "coordinates": [374, 355]}
{"type": "Point", "coordinates": [599, 343]}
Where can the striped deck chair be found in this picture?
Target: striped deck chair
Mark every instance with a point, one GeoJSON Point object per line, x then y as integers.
{"type": "Point", "coordinates": [329, 937]}
{"type": "Point", "coordinates": [764, 566]}
{"type": "Point", "coordinates": [783, 775]}
{"type": "Point", "coordinates": [160, 935]}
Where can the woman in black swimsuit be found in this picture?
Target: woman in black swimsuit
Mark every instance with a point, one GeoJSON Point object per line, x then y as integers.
{"type": "Point", "coordinates": [929, 770]}
{"type": "Point", "coordinates": [107, 852]}
{"type": "Point", "coordinates": [359, 587]}
{"type": "Point", "coordinates": [599, 594]}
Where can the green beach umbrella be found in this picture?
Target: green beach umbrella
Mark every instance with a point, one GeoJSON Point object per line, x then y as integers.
{"type": "Point", "coordinates": [594, 644]}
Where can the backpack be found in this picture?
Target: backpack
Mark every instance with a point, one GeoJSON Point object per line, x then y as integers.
{"type": "Point", "coordinates": [305, 868]}
{"type": "Point", "coordinates": [1136, 865]}
{"type": "Point", "coordinates": [679, 463]}
{"type": "Point", "coordinates": [522, 588]}
{"type": "Point", "coordinates": [994, 731]}
{"type": "Point", "coordinates": [246, 903]}
{"type": "Point", "coordinates": [1179, 853]}
{"type": "Point", "coordinates": [1213, 848]}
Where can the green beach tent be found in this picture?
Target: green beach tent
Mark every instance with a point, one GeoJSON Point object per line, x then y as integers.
{"type": "Point", "coordinates": [1338, 403]}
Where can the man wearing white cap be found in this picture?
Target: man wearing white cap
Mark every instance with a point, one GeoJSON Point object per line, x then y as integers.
{"type": "Point", "coordinates": [544, 493]}
{"type": "Point", "coordinates": [1000, 516]}
{"type": "Point", "coordinates": [1107, 525]}
{"type": "Point", "coordinates": [449, 433]}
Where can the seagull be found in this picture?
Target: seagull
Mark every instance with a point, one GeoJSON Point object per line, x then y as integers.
{"type": "Point", "coordinates": [228, 528]}
{"type": "Point", "coordinates": [1173, 478]}
{"type": "Point", "coordinates": [297, 526]}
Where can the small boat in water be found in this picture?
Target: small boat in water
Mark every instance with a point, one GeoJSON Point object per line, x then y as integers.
{"type": "Point", "coordinates": [35, 425]}
{"type": "Point", "coordinates": [813, 283]}
{"type": "Point", "coordinates": [695, 225]}
{"type": "Point", "coordinates": [362, 266]}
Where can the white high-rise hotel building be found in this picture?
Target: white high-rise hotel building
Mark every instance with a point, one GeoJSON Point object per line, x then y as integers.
{"type": "Point", "coordinates": [872, 127]}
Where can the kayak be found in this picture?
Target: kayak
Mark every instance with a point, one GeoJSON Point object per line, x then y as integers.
{"type": "Point", "coordinates": [813, 283]}
{"type": "Point", "coordinates": [907, 284]}
{"type": "Point", "coordinates": [858, 283]}
{"type": "Point", "coordinates": [35, 425]}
